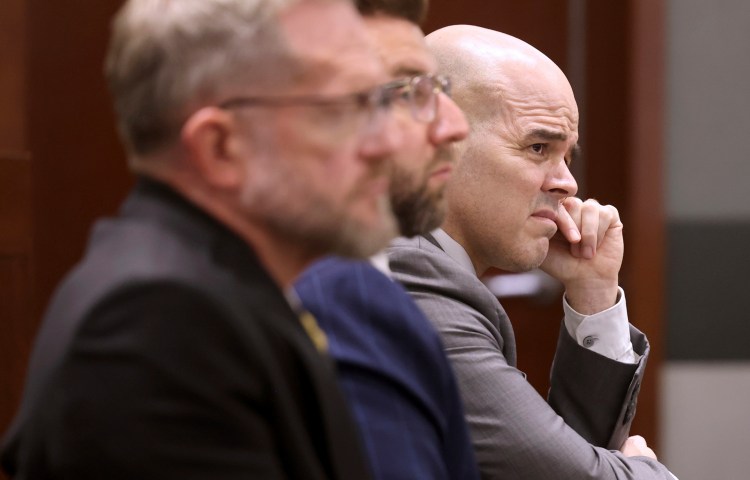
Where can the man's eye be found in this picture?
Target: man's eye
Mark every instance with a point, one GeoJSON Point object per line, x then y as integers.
{"type": "Point", "coordinates": [539, 148]}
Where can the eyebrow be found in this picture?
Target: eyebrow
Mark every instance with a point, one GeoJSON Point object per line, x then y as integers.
{"type": "Point", "coordinates": [548, 135]}
{"type": "Point", "coordinates": [551, 135]}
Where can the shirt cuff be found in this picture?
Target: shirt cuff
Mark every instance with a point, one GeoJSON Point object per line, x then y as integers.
{"type": "Point", "coordinates": [606, 333]}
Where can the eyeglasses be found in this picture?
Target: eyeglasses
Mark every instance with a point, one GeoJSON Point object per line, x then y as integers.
{"type": "Point", "coordinates": [345, 114]}
{"type": "Point", "coordinates": [341, 115]}
{"type": "Point", "coordinates": [421, 94]}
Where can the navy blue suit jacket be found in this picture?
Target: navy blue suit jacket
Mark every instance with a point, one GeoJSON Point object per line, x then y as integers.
{"type": "Point", "coordinates": [393, 370]}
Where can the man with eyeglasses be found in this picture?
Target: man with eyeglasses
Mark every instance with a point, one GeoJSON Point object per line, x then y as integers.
{"type": "Point", "coordinates": [511, 206]}
{"type": "Point", "coordinates": [261, 136]}
{"type": "Point", "coordinates": [390, 360]}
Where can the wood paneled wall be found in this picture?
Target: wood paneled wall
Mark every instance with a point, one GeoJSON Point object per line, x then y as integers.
{"type": "Point", "coordinates": [15, 210]}
{"type": "Point", "coordinates": [79, 166]}
{"type": "Point", "coordinates": [61, 165]}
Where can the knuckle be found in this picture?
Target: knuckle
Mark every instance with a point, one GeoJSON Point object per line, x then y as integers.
{"type": "Point", "coordinates": [592, 201]}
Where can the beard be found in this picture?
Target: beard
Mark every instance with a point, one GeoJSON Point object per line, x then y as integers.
{"type": "Point", "coordinates": [418, 209]}
{"type": "Point", "coordinates": [351, 238]}
{"type": "Point", "coordinates": [292, 209]}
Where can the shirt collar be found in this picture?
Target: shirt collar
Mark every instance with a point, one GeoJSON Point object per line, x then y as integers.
{"type": "Point", "coordinates": [453, 249]}
{"type": "Point", "coordinates": [380, 261]}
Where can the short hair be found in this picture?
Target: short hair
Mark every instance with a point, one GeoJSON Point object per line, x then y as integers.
{"type": "Point", "coordinates": [414, 11]}
{"type": "Point", "coordinates": [167, 58]}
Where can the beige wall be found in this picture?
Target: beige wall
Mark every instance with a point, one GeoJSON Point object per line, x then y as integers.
{"type": "Point", "coordinates": [705, 404]}
{"type": "Point", "coordinates": [705, 420]}
{"type": "Point", "coordinates": [708, 109]}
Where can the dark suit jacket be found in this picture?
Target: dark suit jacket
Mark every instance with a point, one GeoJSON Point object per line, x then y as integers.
{"type": "Point", "coordinates": [393, 370]}
{"type": "Point", "coordinates": [516, 434]}
{"type": "Point", "coordinates": [169, 353]}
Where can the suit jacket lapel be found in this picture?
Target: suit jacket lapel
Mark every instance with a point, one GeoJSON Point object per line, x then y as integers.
{"type": "Point", "coordinates": [500, 318]}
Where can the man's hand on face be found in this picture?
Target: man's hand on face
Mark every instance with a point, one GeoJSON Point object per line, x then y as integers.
{"type": "Point", "coordinates": [586, 254]}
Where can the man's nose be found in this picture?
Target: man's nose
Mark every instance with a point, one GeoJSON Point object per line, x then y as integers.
{"type": "Point", "coordinates": [560, 181]}
{"type": "Point", "coordinates": [450, 123]}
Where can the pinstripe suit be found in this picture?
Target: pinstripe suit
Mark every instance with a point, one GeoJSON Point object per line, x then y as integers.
{"type": "Point", "coordinates": [516, 434]}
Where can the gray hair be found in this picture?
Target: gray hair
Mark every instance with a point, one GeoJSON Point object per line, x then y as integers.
{"type": "Point", "coordinates": [167, 58]}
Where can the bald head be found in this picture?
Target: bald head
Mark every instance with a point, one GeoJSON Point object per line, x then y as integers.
{"type": "Point", "coordinates": [512, 170]}
{"type": "Point", "coordinates": [484, 64]}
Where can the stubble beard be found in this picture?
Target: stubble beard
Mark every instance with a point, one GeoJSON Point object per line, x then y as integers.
{"type": "Point", "coordinates": [418, 211]}
{"type": "Point", "coordinates": [523, 257]}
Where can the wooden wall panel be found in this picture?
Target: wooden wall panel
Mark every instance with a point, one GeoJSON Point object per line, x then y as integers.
{"type": "Point", "coordinates": [79, 167]}
{"type": "Point", "coordinates": [605, 143]}
{"type": "Point", "coordinates": [15, 280]}
{"type": "Point", "coordinates": [542, 23]}
{"type": "Point", "coordinates": [12, 76]}
{"type": "Point", "coordinates": [60, 162]}
{"type": "Point", "coordinates": [623, 148]}
{"type": "Point", "coordinates": [15, 204]}
{"type": "Point", "coordinates": [15, 302]}
{"type": "Point", "coordinates": [15, 211]}
{"type": "Point", "coordinates": [646, 232]}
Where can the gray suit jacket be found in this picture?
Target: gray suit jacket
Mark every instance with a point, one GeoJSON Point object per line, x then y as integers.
{"type": "Point", "coordinates": [516, 433]}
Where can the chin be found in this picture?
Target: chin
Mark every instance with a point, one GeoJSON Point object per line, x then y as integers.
{"type": "Point", "coordinates": [526, 266]}
{"type": "Point", "coordinates": [532, 258]}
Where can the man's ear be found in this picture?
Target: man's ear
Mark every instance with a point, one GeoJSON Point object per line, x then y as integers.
{"type": "Point", "coordinates": [214, 147]}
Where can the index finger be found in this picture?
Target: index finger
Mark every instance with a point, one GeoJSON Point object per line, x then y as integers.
{"type": "Point", "coordinates": [565, 222]}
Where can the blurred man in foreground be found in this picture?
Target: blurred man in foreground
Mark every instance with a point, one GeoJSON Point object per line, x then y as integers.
{"type": "Point", "coordinates": [261, 138]}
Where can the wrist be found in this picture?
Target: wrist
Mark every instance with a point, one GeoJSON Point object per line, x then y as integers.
{"type": "Point", "coordinates": [589, 299]}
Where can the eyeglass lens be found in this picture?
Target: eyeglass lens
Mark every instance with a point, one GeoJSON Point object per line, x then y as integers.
{"type": "Point", "coordinates": [424, 98]}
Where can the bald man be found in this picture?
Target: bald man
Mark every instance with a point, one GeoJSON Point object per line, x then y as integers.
{"type": "Point", "coordinates": [511, 205]}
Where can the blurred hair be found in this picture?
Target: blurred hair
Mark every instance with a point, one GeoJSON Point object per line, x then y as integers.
{"type": "Point", "coordinates": [167, 58]}
{"type": "Point", "coordinates": [414, 11]}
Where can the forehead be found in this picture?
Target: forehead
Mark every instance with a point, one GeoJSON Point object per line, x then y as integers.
{"type": "Point", "coordinates": [329, 39]}
{"type": "Point", "coordinates": [538, 102]}
{"type": "Point", "coordinates": [400, 45]}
